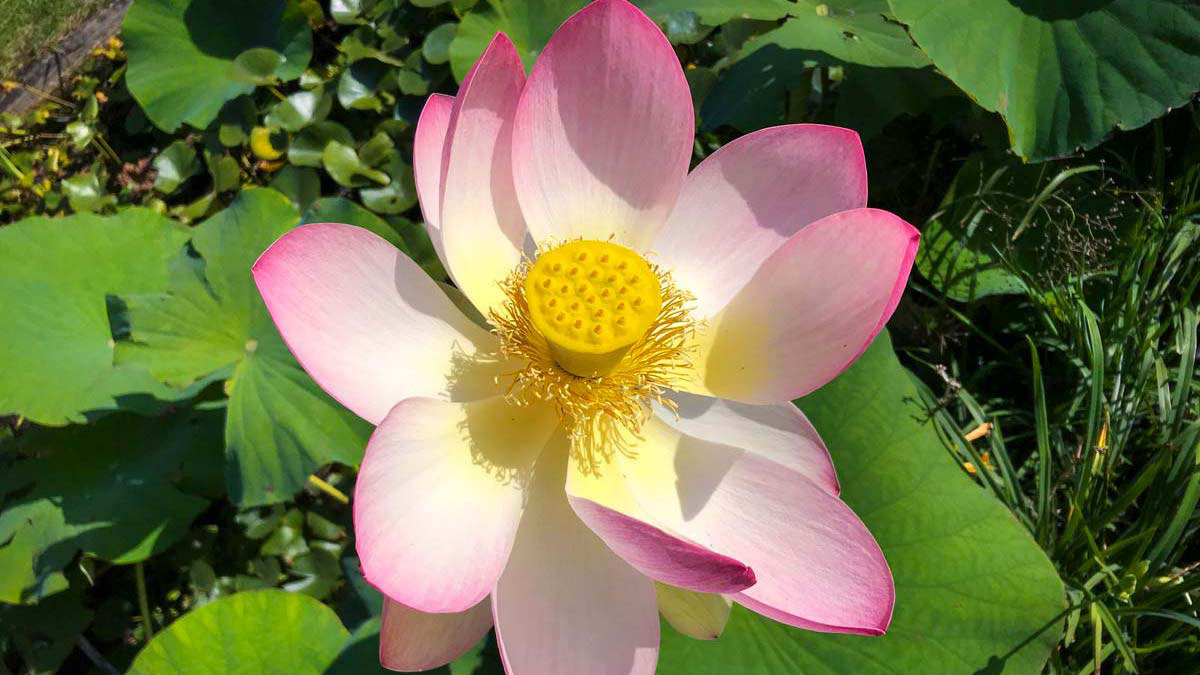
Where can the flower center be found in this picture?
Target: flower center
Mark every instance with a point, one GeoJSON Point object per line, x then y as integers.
{"type": "Point", "coordinates": [601, 334]}
{"type": "Point", "coordinates": [592, 301]}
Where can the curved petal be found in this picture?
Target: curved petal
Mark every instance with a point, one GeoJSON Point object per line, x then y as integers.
{"type": "Point", "coordinates": [440, 494]}
{"type": "Point", "coordinates": [811, 309]}
{"type": "Point", "coordinates": [817, 565]}
{"type": "Point", "coordinates": [482, 228]}
{"type": "Point", "coordinates": [367, 324]}
{"type": "Point", "coordinates": [565, 603]}
{"type": "Point", "coordinates": [744, 200]}
{"type": "Point", "coordinates": [604, 129]}
{"type": "Point", "coordinates": [602, 501]}
{"type": "Point", "coordinates": [776, 431]}
{"type": "Point", "coordinates": [429, 142]}
{"type": "Point", "coordinates": [411, 641]}
{"type": "Point", "coordinates": [697, 615]}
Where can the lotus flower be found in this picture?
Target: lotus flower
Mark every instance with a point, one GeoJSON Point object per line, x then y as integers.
{"type": "Point", "coordinates": [617, 439]}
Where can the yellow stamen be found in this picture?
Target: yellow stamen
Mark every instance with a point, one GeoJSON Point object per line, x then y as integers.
{"type": "Point", "coordinates": [592, 300]}
{"type": "Point", "coordinates": [599, 411]}
{"type": "Point", "coordinates": [979, 431]}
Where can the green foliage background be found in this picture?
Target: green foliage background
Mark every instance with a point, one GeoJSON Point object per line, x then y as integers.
{"type": "Point", "coordinates": [173, 486]}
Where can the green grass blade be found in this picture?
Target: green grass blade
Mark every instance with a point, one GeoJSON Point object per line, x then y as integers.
{"type": "Point", "coordinates": [1043, 444]}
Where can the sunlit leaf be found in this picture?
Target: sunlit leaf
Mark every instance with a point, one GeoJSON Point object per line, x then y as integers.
{"type": "Point", "coordinates": [266, 631]}
{"type": "Point", "coordinates": [188, 57]}
{"type": "Point", "coordinates": [57, 345]}
{"type": "Point", "coordinates": [300, 110]}
{"type": "Point", "coordinates": [174, 165]}
{"type": "Point", "coordinates": [86, 193]}
{"type": "Point", "coordinates": [347, 168]}
{"type": "Point", "coordinates": [850, 31]}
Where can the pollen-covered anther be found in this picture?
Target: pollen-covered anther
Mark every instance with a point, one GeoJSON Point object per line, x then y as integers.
{"type": "Point", "coordinates": [603, 331]}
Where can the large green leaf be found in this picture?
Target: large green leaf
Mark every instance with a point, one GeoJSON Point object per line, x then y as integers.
{"type": "Point", "coordinates": [752, 92]}
{"type": "Point", "coordinates": [188, 57]}
{"type": "Point", "coordinates": [852, 31]}
{"type": "Point", "coordinates": [55, 274]}
{"type": "Point", "coordinates": [114, 489]}
{"type": "Point", "coordinates": [250, 633]}
{"type": "Point", "coordinates": [974, 593]}
{"type": "Point", "coordinates": [717, 12]}
{"type": "Point", "coordinates": [280, 425]}
{"type": "Point", "coordinates": [530, 23]}
{"type": "Point", "coordinates": [1063, 74]}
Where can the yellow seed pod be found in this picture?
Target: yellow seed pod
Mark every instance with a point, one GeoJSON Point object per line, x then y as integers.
{"type": "Point", "coordinates": [592, 300]}
{"type": "Point", "coordinates": [260, 144]}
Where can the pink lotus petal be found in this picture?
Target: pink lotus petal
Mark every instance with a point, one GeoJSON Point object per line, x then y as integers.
{"type": "Point", "coordinates": [566, 604]}
{"type": "Point", "coordinates": [602, 500]}
{"type": "Point", "coordinates": [411, 641]}
{"type": "Point", "coordinates": [604, 129]}
{"type": "Point", "coordinates": [429, 142]}
{"type": "Point", "coordinates": [365, 322]}
{"type": "Point", "coordinates": [817, 565]}
{"type": "Point", "coordinates": [482, 228]}
{"type": "Point", "coordinates": [776, 431]}
{"type": "Point", "coordinates": [744, 201]}
{"type": "Point", "coordinates": [811, 309]}
{"type": "Point", "coordinates": [440, 494]}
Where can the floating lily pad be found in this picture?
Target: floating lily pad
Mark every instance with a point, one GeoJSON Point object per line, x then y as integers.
{"type": "Point", "coordinates": [397, 196]}
{"type": "Point", "coordinates": [174, 165]}
{"type": "Point", "coordinates": [188, 57]}
{"type": "Point", "coordinates": [57, 345]}
{"type": "Point", "coordinates": [280, 425]}
{"type": "Point", "coordinates": [85, 488]}
{"type": "Point", "coordinates": [266, 631]}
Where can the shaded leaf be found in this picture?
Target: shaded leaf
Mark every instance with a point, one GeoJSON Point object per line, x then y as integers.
{"type": "Point", "coordinates": [339, 210]}
{"type": "Point", "coordinates": [1063, 74]}
{"type": "Point", "coordinates": [45, 634]}
{"type": "Point", "coordinates": [86, 488]}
